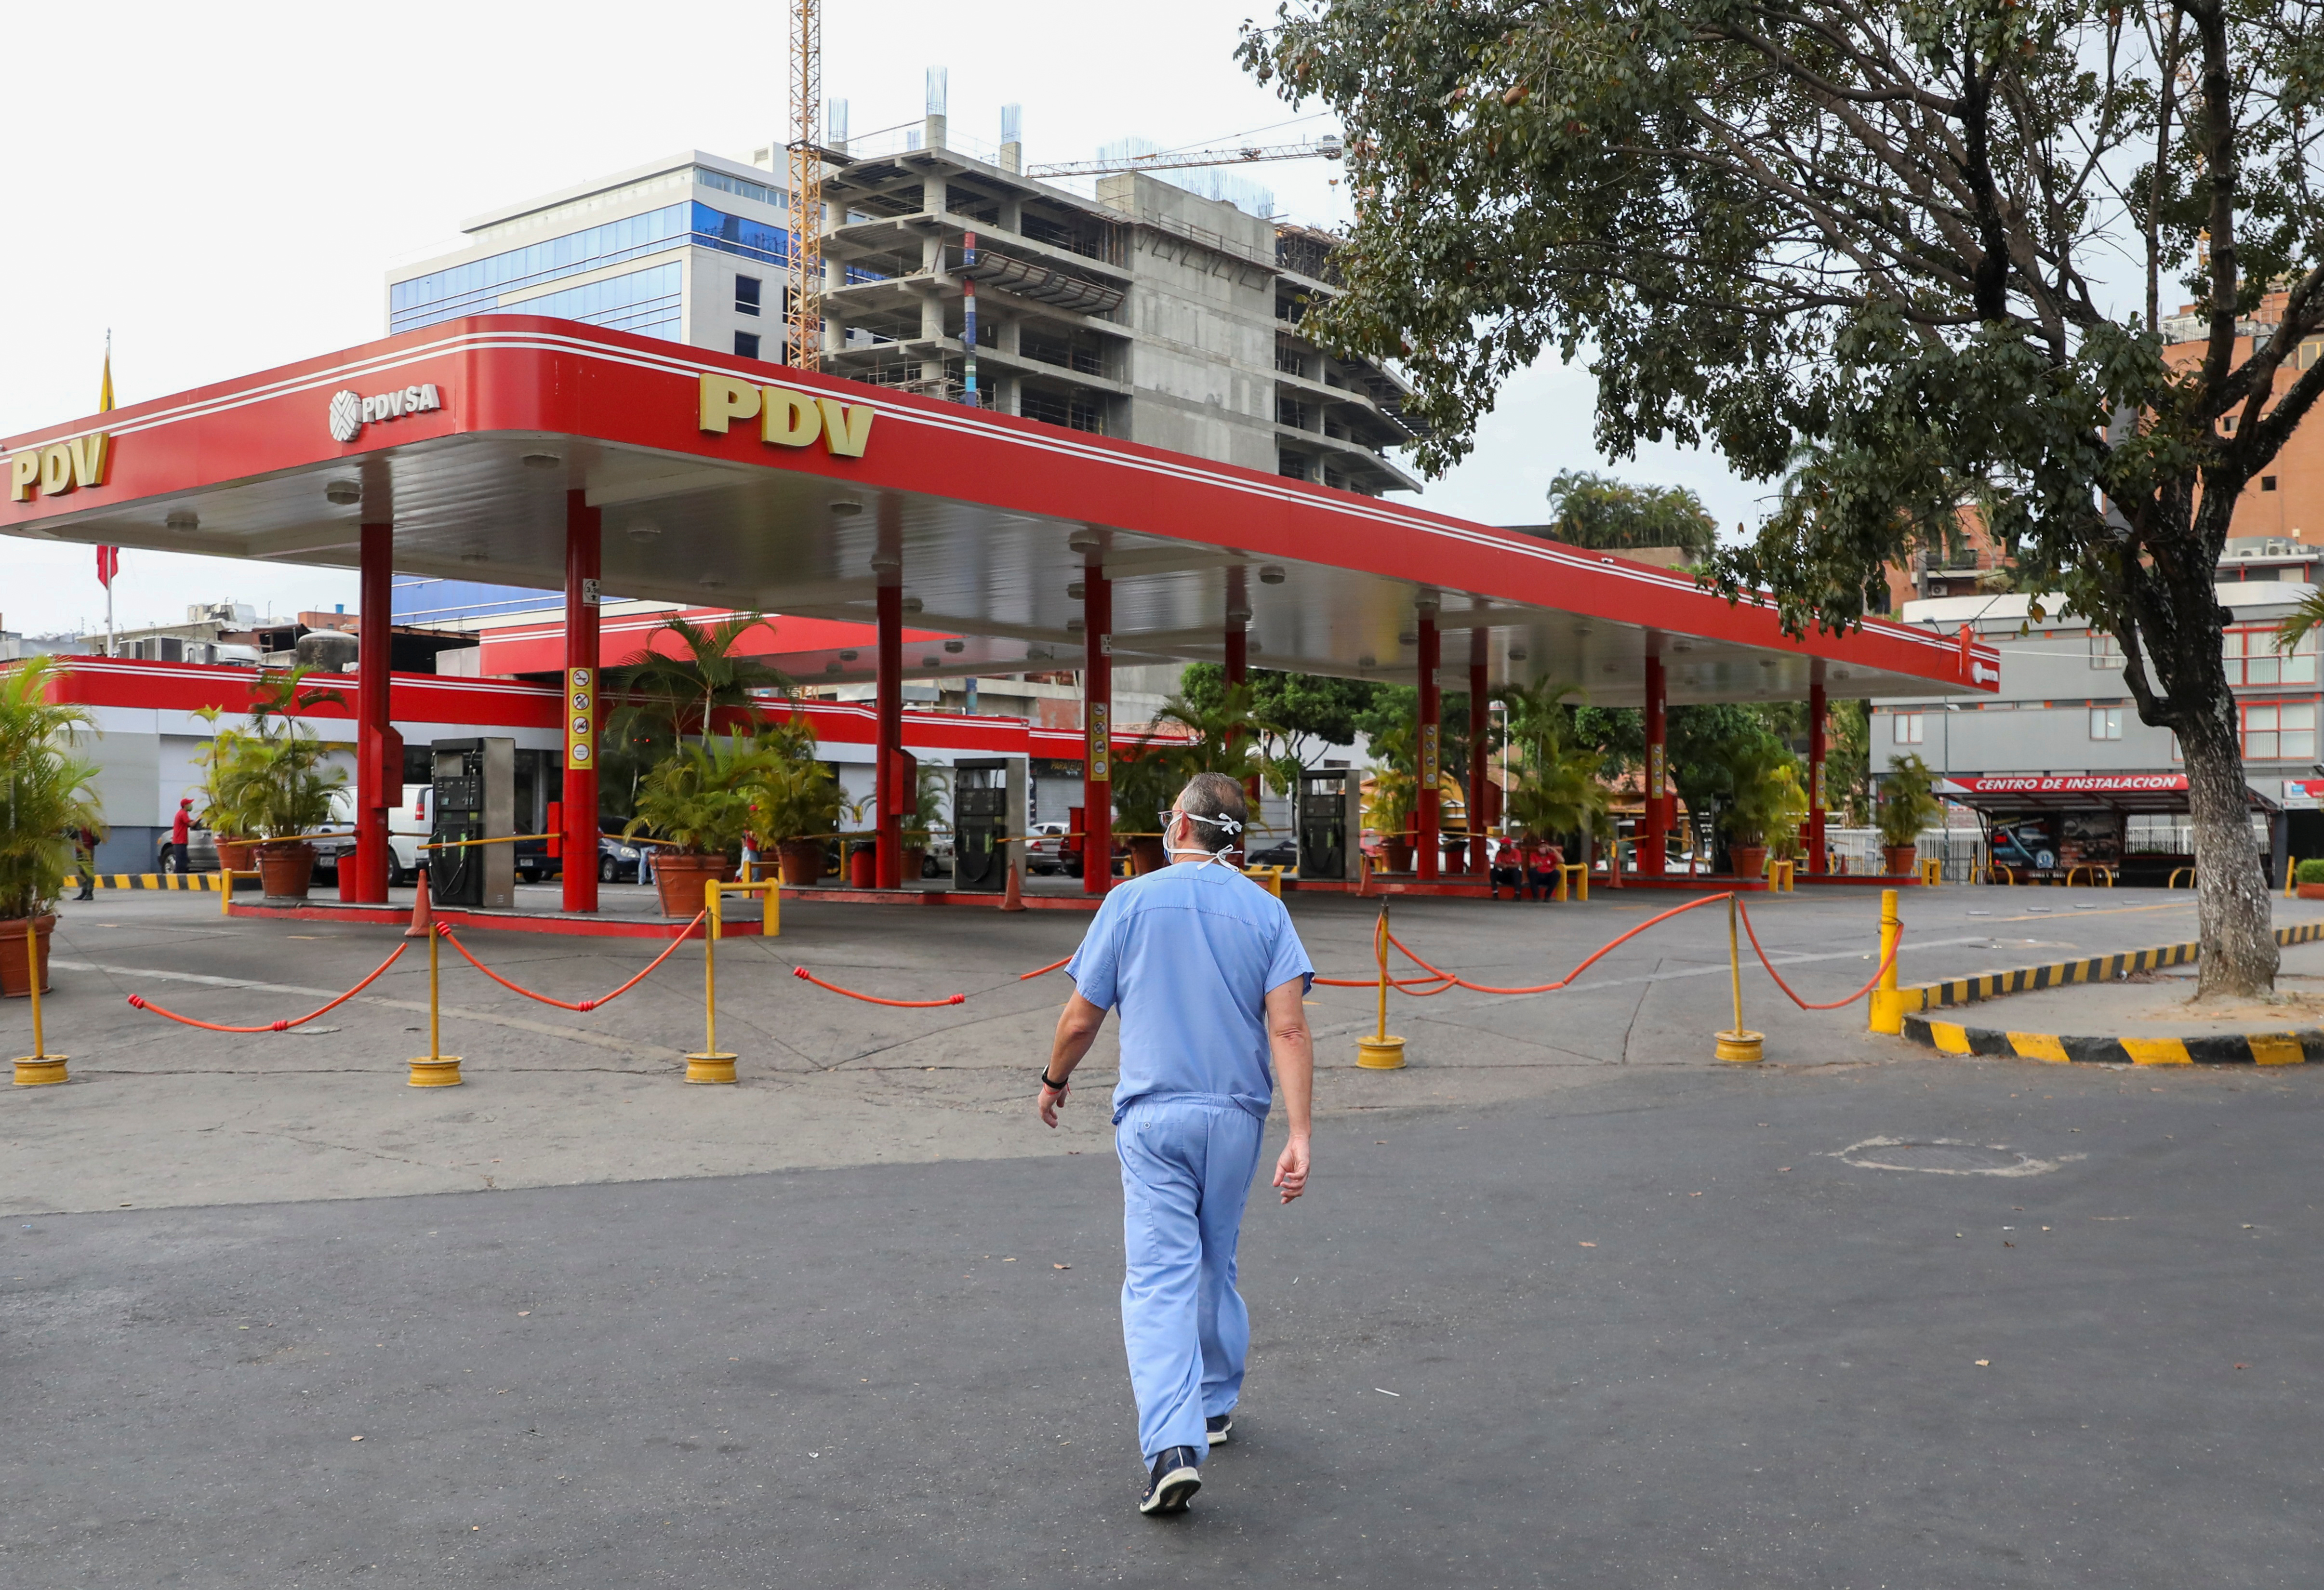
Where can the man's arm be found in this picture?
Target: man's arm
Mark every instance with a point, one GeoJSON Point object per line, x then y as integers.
{"type": "Point", "coordinates": [1077, 1025]}
{"type": "Point", "coordinates": [1294, 1053]}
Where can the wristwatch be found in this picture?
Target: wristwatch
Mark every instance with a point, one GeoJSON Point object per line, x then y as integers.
{"type": "Point", "coordinates": [1052, 1086]}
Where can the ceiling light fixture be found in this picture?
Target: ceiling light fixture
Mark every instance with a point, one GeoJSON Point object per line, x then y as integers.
{"type": "Point", "coordinates": [1083, 541]}
{"type": "Point", "coordinates": [887, 562]}
{"type": "Point", "coordinates": [184, 520]}
{"type": "Point", "coordinates": [1270, 573]}
{"type": "Point", "coordinates": [955, 647]}
{"type": "Point", "coordinates": [1078, 590]}
{"type": "Point", "coordinates": [1073, 626]}
{"type": "Point", "coordinates": [1238, 615]}
{"type": "Point", "coordinates": [1517, 654]}
{"type": "Point", "coordinates": [830, 667]}
{"type": "Point", "coordinates": [645, 530]}
{"type": "Point", "coordinates": [542, 460]}
{"type": "Point", "coordinates": [913, 605]}
{"type": "Point", "coordinates": [846, 507]}
{"type": "Point", "coordinates": [931, 662]}
{"type": "Point", "coordinates": [345, 493]}
{"type": "Point", "coordinates": [847, 656]}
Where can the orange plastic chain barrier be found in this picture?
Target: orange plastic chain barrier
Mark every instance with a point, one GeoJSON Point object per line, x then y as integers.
{"type": "Point", "coordinates": [1887, 960]}
{"type": "Point", "coordinates": [583, 1005]}
{"type": "Point", "coordinates": [139, 1002]}
{"type": "Point", "coordinates": [1452, 981]}
{"type": "Point", "coordinates": [803, 973]}
{"type": "Point", "coordinates": [1044, 971]}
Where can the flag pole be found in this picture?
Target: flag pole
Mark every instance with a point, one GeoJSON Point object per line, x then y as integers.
{"type": "Point", "coordinates": [104, 405]}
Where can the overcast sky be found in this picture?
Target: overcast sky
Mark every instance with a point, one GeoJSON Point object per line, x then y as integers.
{"type": "Point", "coordinates": [224, 187]}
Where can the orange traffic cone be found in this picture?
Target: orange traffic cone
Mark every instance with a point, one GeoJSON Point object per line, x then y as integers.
{"type": "Point", "coordinates": [423, 915]}
{"type": "Point", "coordinates": [1012, 898]}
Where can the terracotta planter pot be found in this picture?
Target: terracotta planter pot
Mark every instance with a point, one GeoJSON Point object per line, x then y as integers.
{"type": "Point", "coordinates": [1902, 861]}
{"type": "Point", "coordinates": [15, 978]}
{"type": "Point", "coordinates": [679, 877]}
{"type": "Point", "coordinates": [2307, 891]}
{"type": "Point", "coordinates": [286, 868]}
{"type": "Point", "coordinates": [801, 861]}
{"type": "Point", "coordinates": [915, 863]}
{"type": "Point", "coordinates": [237, 855]}
{"type": "Point", "coordinates": [863, 866]}
{"type": "Point", "coordinates": [1396, 855]}
{"type": "Point", "coordinates": [1750, 860]}
{"type": "Point", "coordinates": [1147, 855]}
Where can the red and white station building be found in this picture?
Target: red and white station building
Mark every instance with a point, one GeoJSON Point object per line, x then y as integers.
{"type": "Point", "coordinates": [533, 451]}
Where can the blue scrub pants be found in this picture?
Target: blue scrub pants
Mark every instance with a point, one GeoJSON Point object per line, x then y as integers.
{"type": "Point", "coordinates": [1187, 1161]}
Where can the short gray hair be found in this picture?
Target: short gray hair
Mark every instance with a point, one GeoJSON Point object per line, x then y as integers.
{"type": "Point", "coordinates": [1216, 796]}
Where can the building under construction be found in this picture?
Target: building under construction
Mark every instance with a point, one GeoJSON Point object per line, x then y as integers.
{"type": "Point", "coordinates": [1145, 312]}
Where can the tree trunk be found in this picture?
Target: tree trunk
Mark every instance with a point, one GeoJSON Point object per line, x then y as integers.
{"type": "Point", "coordinates": [2235, 917]}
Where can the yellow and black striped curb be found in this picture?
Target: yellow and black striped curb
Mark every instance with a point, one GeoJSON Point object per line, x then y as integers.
{"type": "Point", "coordinates": [2203, 1049]}
{"type": "Point", "coordinates": [2090, 968]}
{"type": "Point", "coordinates": [196, 882]}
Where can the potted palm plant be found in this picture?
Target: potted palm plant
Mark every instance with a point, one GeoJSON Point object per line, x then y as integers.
{"type": "Point", "coordinates": [795, 800]}
{"type": "Point", "coordinates": [1558, 790]}
{"type": "Point", "coordinates": [237, 850]}
{"type": "Point", "coordinates": [1396, 791]}
{"type": "Point", "coordinates": [1144, 786]}
{"type": "Point", "coordinates": [932, 785]}
{"type": "Point", "coordinates": [49, 797]}
{"type": "Point", "coordinates": [698, 801]}
{"type": "Point", "coordinates": [1765, 798]}
{"type": "Point", "coordinates": [277, 780]}
{"type": "Point", "coordinates": [1908, 803]}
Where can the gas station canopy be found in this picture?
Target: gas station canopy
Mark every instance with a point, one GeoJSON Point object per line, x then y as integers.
{"type": "Point", "coordinates": [729, 482]}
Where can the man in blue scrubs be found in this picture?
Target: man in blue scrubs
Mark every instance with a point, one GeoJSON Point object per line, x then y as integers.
{"type": "Point", "coordinates": [1209, 976]}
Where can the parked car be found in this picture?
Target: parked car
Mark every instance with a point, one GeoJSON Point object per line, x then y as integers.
{"type": "Point", "coordinates": [1283, 852]}
{"type": "Point", "coordinates": [201, 851]}
{"type": "Point", "coordinates": [1045, 848]}
{"type": "Point", "coordinates": [617, 858]}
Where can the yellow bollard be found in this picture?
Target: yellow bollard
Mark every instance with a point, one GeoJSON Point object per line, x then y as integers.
{"type": "Point", "coordinates": [1737, 1044]}
{"type": "Point", "coordinates": [1888, 1003]}
{"type": "Point", "coordinates": [1380, 1052]}
{"type": "Point", "coordinates": [39, 1068]}
{"type": "Point", "coordinates": [435, 1069]}
{"type": "Point", "coordinates": [711, 1063]}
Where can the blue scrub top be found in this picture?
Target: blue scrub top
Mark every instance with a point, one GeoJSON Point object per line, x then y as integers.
{"type": "Point", "coordinates": [1188, 955]}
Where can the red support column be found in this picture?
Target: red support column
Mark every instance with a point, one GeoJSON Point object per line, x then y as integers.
{"type": "Point", "coordinates": [1097, 722]}
{"type": "Point", "coordinates": [1817, 707]}
{"type": "Point", "coordinates": [584, 553]}
{"type": "Point", "coordinates": [1481, 723]}
{"type": "Point", "coordinates": [1652, 842]}
{"type": "Point", "coordinates": [379, 751]}
{"type": "Point", "coordinates": [888, 797]}
{"type": "Point", "coordinates": [1427, 850]}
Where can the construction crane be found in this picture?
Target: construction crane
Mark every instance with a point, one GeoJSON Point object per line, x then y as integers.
{"type": "Point", "coordinates": [1328, 148]}
{"type": "Point", "coordinates": [803, 315]}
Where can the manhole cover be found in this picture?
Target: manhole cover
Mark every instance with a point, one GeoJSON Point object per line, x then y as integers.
{"type": "Point", "coordinates": [1942, 1157]}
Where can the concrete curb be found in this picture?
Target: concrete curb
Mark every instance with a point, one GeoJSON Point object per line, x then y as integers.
{"type": "Point", "coordinates": [2291, 1048]}
{"type": "Point", "coordinates": [2092, 968]}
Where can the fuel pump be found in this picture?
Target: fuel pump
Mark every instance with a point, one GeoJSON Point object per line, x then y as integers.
{"type": "Point", "coordinates": [1330, 821]}
{"type": "Point", "coordinates": [989, 816]}
{"type": "Point", "coordinates": [473, 793]}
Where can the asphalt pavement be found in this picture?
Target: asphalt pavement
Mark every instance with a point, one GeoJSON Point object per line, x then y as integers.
{"type": "Point", "coordinates": [1666, 1332]}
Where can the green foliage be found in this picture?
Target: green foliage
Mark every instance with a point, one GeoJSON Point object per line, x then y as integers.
{"type": "Point", "coordinates": [1907, 803]}
{"type": "Point", "coordinates": [273, 780]}
{"type": "Point", "coordinates": [51, 793]}
{"type": "Point", "coordinates": [1558, 789]}
{"type": "Point", "coordinates": [1395, 776]}
{"type": "Point", "coordinates": [1608, 515]}
{"type": "Point", "coordinates": [1847, 761]}
{"type": "Point", "coordinates": [704, 797]}
{"type": "Point", "coordinates": [1875, 252]}
{"type": "Point", "coordinates": [931, 789]}
{"type": "Point", "coordinates": [666, 698]}
{"type": "Point", "coordinates": [1765, 798]}
{"type": "Point", "coordinates": [1297, 715]}
{"type": "Point", "coordinates": [2308, 871]}
{"type": "Point", "coordinates": [1145, 782]}
{"type": "Point", "coordinates": [1223, 736]}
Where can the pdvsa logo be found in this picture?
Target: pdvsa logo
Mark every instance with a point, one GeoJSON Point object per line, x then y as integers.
{"type": "Point", "coordinates": [351, 412]}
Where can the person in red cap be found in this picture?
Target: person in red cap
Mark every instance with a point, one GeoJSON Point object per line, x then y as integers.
{"type": "Point", "coordinates": [179, 836]}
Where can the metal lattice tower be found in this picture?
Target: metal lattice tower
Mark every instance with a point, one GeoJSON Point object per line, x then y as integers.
{"type": "Point", "coordinates": [803, 315]}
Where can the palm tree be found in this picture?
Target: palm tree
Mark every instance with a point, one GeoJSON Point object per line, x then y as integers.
{"type": "Point", "coordinates": [2304, 618]}
{"type": "Point", "coordinates": [1222, 738]}
{"type": "Point", "coordinates": [48, 795]}
{"type": "Point", "coordinates": [680, 695]}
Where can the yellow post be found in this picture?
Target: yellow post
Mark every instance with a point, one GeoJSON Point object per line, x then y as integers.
{"type": "Point", "coordinates": [437, 1069]}
{"type": "Point", "coordinates": [39, 1068]}
{"type": "Point", "coordinates": [1737, 1044]}
{"type": "Point", "coordinates": [1380, 1052]}
{"type": "Point", "coordinates": [711, 1064]}
{"type": "Point", "coordinates": [1888, 1003]}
